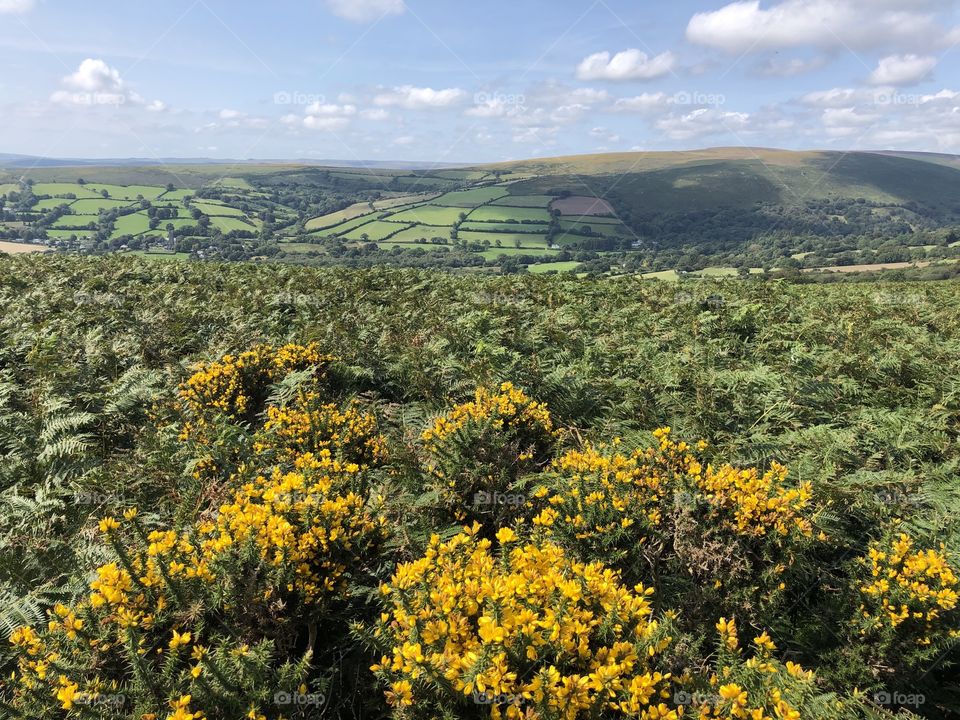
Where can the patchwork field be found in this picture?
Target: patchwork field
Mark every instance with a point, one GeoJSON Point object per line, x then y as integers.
{"type": "Point", "coordinates": [579, 205]}
{"type": "Point", "coordinates": [12, 248]}
{"type": "Point", "coordinates": [492, 213]}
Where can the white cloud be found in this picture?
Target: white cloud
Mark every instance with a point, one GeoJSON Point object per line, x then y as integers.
{"type": "Point", "coordinates": [702, 122]}
{"type": "Point", "coordinates": [331, 110]}
{"type": "Point", "coordinates": [374, 114]}
{"type": "Point", "coordinates": [365, 11]}
{"type": "Point", "coordinates": [903, 70]}
{"type": "Point", "coordinates": [96, 83]}
{"type": "Point", "coordinates": [405, 140]}
{"type": "Point", "coordinates": [630, 64]}
{"type": "Point", "coordinates": [15, 6]}
{"type": "Point", "coordinates": [838, 97]}
{"type": "Point", "coordinates": [745, 26]}
{"type": "Point", "coordinates": [414, 98]}
{"type": "Point", "coordinates": [314, 122]}
{"type": "Point", "coordinates": [227, 114]}
{"type": "Point", "coordinates": [645, 103]}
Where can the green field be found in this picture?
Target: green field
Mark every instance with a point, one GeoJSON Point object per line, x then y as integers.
{"type": "Point", "coordinates": [430, 215]}
{"type": "Point", "coordinates": [503, 227]}
{"type": "Point", "coordinates": [333, 219]}
{"type": "Point", "coordinates": [376, 230]}
{"type": "Point", "coordinates": [507, 240]}
{"type": "Point", "coordinates": [563, 266]}
{"type": "Point", "coordinates": [130, 192]}
{"type": "Point", "coordinates": [214, 209]}
{"type": "Point", "coordinates": [540, 201]}
{"type": "Point", "coordinates": [51, 203]}
{"type": "Point", "coordinates": [228, 224]}
{"type": "Point", "coordinates": [69, 221]}
{"type": "Point", "coordinates": [347, 226]}
{"type": "Point", "coordinates": [61, 189]}
{"type": "Point", "coordinates": [177, 195]}
{"type": "Point", "coordinates": [131, 224]}
{"type": "Point", "coordinates": [426, 232]}
{"type": "Point", "coordinates": [493, 213]}
{"type": "Point", "coordinates": [494, 253]}
{"type": "Point", "coordinates": [470, 198]}
{"type": "Point", "coordinates": [94, 206]}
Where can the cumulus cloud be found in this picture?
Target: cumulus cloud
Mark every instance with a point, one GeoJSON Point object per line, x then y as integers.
{"type": "Point", "coordinates": [414, 98]}
{"type": "Point", "coordinates": [903, 70]}
{"type": "Point", "coordinates": [331, 110]}
{"type": "Point", "coordinates": [96, 83]}
{"type": "Point", "coordinates": [15, 7]}
{"type": "Point", "coordinates": [365, 11]}
{"type": "Point", "coordinates": [745, 26]}
{"type": "Point", "coordinates": [630, 64]}
{"type": "Point", "coordinates": [316, 122]}
{"type": "Point", "coordinates": [702, 122]}
{"type": "Point", "coordinates": [230, 118]}
{"type": "Point", "coordinates": [644, 103]}
{"type": "Point", "coordinates": [376, 114]}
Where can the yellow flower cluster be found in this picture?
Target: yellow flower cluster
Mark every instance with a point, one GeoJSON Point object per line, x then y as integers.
{"type": "Point", "coordinates": [304, 524]}
{"type": "Point", "coordinates": [544, 635]}
{"type": "Point", "coordinates": [229, 384]}
{"type": "Point", "coordinates": [307, 427]}
{"type": "Point", "coordinates": [758, 688]}
{"type": "Point", "coordinates": [598, 490]}
{"type": "Point", "coordinates": [603, 490]}
{"type": "Point", "coordinates": [304, 528]}
{"type": "Point", "coordinates": [757, 504]}
{"type": "Point", "coordinates": [909, 586]}
{"type": "Point", "coordinates": [510, 408]}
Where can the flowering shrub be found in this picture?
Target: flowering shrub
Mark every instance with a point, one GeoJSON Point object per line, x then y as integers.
{"type": "Point", "coordinates": [237, 385]}
{"type": "Point", "coordinates": [520, 631]}
{"type": "Point", "coordinates": [479, 449]}
{"type": "Point", "coordinates": [710, 540]}
{"type": "Point", "coordinates": [309, 426]}
{"type": "Point", "coordinates": [210, 619]}
{"type": "Point", "coordinates": [751, 684]}
{"type": "Point", "coordinates": [907, 602]}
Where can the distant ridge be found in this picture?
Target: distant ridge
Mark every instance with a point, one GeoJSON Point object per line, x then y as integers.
{"type": "Point", "coordinates": [12, 161]}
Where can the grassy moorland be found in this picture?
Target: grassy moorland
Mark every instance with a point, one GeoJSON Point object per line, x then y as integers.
{"type": "Point", "coordinates": [268, 491]}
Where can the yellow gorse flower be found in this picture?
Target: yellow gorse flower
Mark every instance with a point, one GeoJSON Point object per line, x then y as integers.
{"type": "Point", "coordinates": [480, 623]}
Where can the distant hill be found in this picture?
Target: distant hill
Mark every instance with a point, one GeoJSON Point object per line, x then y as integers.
{"type": "Point", "coordinates": [740, 177]}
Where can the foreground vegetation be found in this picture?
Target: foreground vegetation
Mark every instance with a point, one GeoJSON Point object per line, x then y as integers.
{"type": "Point", "coordinates": [249, 491]}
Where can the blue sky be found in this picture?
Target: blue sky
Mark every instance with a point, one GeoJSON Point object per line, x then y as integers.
{"type": "Point", "coordinates": [443, 81]}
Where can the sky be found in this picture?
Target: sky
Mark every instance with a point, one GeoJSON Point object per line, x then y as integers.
{"type": "Point", "coordinates": [451, 81]}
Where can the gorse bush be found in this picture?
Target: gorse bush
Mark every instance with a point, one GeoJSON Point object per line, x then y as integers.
{"type": "Point", "coordinates": [520, 630]}
{"type": "Point", "coordinates": [479, 452]}
{"type": "Point", "coordinates": [214, 541]}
